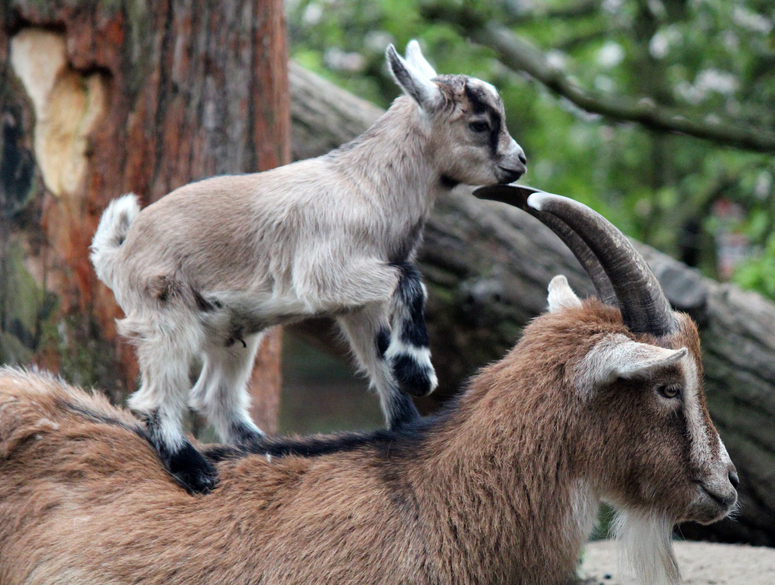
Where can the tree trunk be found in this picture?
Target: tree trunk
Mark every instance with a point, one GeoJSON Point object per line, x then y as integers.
{"type": "Point", "coordinates": [487, 267]}
{"type": "Point", "coordinates": [99, 99]}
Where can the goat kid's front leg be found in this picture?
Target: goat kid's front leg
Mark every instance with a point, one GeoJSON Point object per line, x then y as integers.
{"type": "Point", "coordinates": [368, 332]}
{"type": "Point", "coordinates": [408, 352]}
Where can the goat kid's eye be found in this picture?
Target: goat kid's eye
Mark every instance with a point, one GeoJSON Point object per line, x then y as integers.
{"type": "Point", "coordinates": [670, 391]}
{"type": "Point", "coordinates": [479, 126]}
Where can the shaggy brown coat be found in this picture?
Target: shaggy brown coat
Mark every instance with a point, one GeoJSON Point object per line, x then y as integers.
{"type": "Point", "coordinates": [502, 487]}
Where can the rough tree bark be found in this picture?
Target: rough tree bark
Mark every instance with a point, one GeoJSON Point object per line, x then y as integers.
{"type": "Point", "coordinates": [101, 98]}
{"type": "Point", "coordinates": [487, 266]}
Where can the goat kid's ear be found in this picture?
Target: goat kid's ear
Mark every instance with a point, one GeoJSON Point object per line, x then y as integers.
{"type": "Point", "coordinates": [561, 296]}
{"type": "Point", "coordinates": [412, 80]}
{"type": "Point", "coordinates": [617, 356]}
{"type": "Point", "coordinates": [415, 57]}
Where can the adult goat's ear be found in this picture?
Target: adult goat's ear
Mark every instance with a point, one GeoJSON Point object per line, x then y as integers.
{"type": "Point", "coordinates": [618, 356]}
{"type": "Point", "coordinates": [561, 295]}
{"type": "Point", "coordinates": [412, 80]}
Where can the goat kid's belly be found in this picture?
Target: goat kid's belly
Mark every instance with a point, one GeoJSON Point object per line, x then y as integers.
{"type": "Point", "coordinates": [268, 298]}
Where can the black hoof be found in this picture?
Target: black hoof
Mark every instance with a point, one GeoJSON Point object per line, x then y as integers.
{"type": "Point", "coordinates": [413, 378]}
{"type": "Point", "coordinates": [246, 435]}
{"type": "Point", "coordinates": [191, 470]}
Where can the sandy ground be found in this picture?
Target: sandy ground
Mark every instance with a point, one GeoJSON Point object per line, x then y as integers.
{"type": "Point", "coordinates": [701, 564]}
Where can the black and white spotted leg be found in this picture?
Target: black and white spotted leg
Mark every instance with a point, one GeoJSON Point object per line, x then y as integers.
{"type": "Point", "coordinates": [408, 354]}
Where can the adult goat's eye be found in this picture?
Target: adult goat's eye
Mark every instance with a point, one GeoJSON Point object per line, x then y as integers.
{"type": "Point", "coordinates": [670, 391]}
{"type": "Point", "coordinates": [479, 126]}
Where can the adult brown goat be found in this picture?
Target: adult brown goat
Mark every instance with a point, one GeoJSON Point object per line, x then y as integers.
{"type": "Point", "coordinates": [503, 486]}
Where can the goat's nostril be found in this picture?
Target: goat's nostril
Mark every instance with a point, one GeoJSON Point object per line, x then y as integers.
{"type": "Point", "coordinates": [523, 159]}
{"type": "Point", "coordinates": [734, 479]}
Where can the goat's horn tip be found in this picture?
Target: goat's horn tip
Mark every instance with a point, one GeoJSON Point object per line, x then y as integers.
{"type": "Point", "coordinates": [538, 199]}
{"type": "Point", "coordinates": [535, 201]}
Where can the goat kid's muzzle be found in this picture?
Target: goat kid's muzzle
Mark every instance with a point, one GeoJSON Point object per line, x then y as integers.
{"type": "Point", "coordinates": [512, 165]}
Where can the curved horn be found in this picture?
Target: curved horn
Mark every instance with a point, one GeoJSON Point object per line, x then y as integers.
{"type": "Point", "coordinates": [644, 306]}
{"type": "Point", "coordinates": [516, 196]}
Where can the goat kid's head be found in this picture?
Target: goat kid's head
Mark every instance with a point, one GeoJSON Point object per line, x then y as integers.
{"type": "Point", "coordinates": [633, 368]}
{"type": "Point", "coordinates": [467, 118]}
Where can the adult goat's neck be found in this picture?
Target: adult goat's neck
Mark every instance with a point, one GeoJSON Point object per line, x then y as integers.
{"type": "Point", "coordinates": [505, 488]}
{"type": "Point", "coordinates": [391, 164]}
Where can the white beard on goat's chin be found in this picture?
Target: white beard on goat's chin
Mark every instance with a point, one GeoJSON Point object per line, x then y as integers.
{"type": "Point", "coordinates": [646, 542]}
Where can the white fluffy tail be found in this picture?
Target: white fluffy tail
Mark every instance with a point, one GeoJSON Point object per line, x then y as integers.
{"type": "Point", "coordinates": [111, 233]}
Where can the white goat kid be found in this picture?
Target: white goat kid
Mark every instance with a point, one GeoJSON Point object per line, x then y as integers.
{"type": "Point", "coordinates": [207, 269]}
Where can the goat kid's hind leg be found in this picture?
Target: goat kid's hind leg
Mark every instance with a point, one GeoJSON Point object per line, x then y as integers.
{"type": "Point", "coordinates": [161, 401]}
{"type": "Point", "coordinates": [368, 332]}
{"type": "Point", "coordinates": [409, 354]}
{"type": "Point", "coordinates": [221, 393]}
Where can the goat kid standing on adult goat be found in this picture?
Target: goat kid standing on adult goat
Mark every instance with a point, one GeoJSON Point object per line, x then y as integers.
{"type": "Point", "coordinates": [207, 269]}
{"type": "Point", "coordinates": [503, 486]}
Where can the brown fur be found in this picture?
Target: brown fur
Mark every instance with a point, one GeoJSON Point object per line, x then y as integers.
{"type": "Point", "coordinates": [487, 492]}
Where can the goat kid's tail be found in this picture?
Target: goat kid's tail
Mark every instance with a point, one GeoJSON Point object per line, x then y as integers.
{"type": "Point", "coordinates": [111, 233]}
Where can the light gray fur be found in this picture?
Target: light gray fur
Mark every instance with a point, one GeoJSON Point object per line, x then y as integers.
{"type": "Point", "coordinates": [316, 237]}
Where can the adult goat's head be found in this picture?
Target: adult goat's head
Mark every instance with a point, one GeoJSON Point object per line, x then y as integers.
{"type": "Point", "coordinates": [636, 369]}
{"type": "Point", "coordinates": [470, 141]}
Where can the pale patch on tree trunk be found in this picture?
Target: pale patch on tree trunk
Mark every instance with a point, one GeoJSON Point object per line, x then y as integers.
{"type": "Point", "coordinates": [67, 106]}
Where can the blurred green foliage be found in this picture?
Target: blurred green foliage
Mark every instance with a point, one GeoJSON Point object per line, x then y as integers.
{"type": "Point", "coordinates": [711, 60]}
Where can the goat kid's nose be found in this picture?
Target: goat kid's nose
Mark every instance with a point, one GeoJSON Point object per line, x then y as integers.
{"type": "Point", "coordinates": [733, 478]}
{"type": "Point", "coordinates": [516, 151]}
{"type": "Point", "coordinates": [513, 162]}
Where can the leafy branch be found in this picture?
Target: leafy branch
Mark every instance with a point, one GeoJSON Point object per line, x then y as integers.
{"type": "Point", "coordinates": [518, 55]}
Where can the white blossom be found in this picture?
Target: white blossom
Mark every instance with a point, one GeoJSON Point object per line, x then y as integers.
{"type": "Point", "coordinates": [313, 14]}
{"type": "Point", "coordinates": [610, 55]}
{"type": "Point", "coordinates": [663, 40]}
{"type": "Point", "coordinates": [708, 81]}
{"type": "Point", "coordinates": [556, 59]}
{"type": "Point", "coordinates": [750, 20]}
